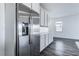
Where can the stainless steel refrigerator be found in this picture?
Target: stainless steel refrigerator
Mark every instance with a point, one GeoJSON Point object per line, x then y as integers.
{"type": "Point", "coordinates": [28, 31]}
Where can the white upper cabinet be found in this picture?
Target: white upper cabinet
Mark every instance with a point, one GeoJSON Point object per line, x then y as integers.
{"type": "Point", "coordinates": [28, 4]}
{"type": "Point", "coordinates": [36, 7]}
{"type": "Point", "coordinates": [42, 13]}
{"type": "Point", "coordinates": [46, 18]}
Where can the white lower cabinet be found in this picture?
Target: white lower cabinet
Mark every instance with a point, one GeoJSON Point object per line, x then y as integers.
{"type": "Point", "coordinates": [47, 40]}
{"type": "Point", "coordinates": [50, 38]}
{"type": "Point", "coordinates": [42, 42]}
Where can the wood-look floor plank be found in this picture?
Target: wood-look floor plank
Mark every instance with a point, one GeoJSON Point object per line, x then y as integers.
{"type": "Point", "coordinates": [61, 47]}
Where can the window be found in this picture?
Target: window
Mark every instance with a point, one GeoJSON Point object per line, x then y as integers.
{"type": "Point", "coordinates": [59, 26]}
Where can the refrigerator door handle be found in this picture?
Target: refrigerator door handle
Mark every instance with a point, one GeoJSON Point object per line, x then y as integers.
{"type": "Point", "coordinates": [29, 32]}
{"type": "Point", "coordinates": [30, 42]}
{"type": "Point", "coordinates": [29, 39]}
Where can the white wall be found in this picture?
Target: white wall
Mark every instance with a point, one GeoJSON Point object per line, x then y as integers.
{"type": "Point", "coordinates": [10, 30]}
{"type": "Point", "coordinates": [61, 9]}
{"type": "Point", "coordinates": [70, 27]}
{"type": "Point", "coordinates": [2, 25]}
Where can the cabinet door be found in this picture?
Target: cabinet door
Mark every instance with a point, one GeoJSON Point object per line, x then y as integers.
{"type": "Point", "coordinates": [42, 17]}
{"type": "Point", "coordinates": [46, 18]}
{"type": "Point", "coordinates": [50, 38]}
{"type": "Point", "coordinates": [47, 41]}
{"type": "Point", "coordinates": [36, 7]}
{"type": "Point", "coordinates": [42, 42]}
{"type": "Point", "coordinates": [27, 4]}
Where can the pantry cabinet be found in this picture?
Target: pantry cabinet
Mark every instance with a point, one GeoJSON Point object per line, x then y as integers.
{"type": "Point", "coordinates": [50, 22]}
{"type": "Point", "coordinates": [45, 21]}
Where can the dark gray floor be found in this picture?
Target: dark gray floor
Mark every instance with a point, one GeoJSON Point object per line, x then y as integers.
{"type": "Point", "coordinates": [61, 47]}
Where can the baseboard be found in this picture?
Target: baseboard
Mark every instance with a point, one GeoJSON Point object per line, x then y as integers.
{"type": "Point", "coordinates": [64, 38]}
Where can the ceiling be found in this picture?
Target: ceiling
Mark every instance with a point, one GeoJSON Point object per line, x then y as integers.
{"type": "Point", "coordinates": [57, 10]}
